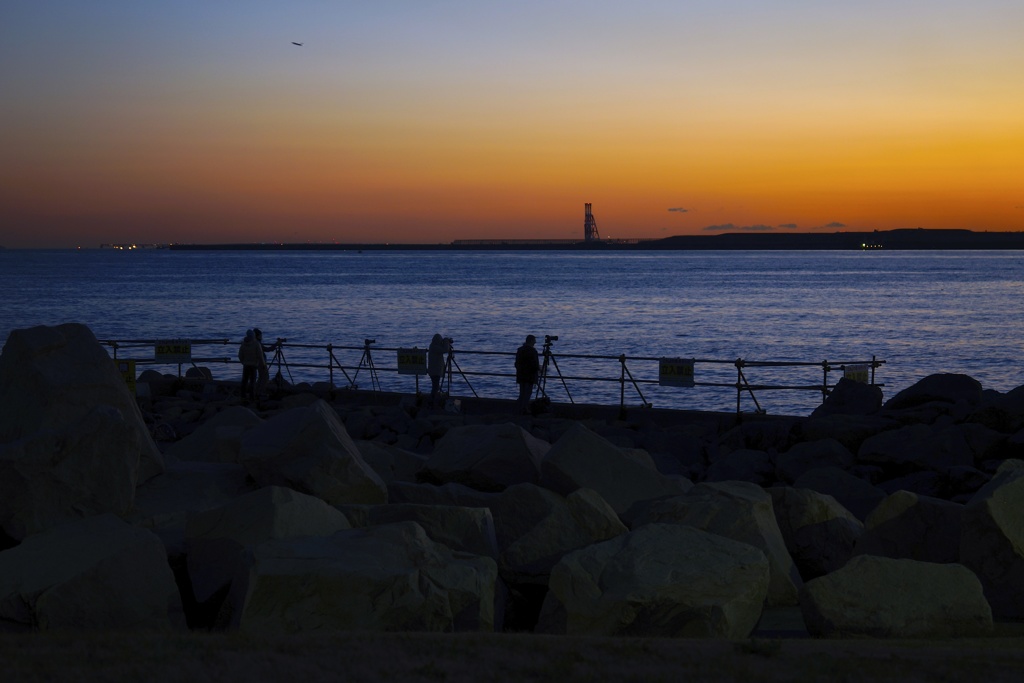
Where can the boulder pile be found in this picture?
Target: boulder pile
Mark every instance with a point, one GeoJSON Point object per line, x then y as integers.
{"type": "Point", "coordinates": [186, 507]}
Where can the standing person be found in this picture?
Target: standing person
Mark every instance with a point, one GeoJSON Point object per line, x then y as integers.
{"type": "Point", "coordinates": [439, 346]}
{"type": "Point", "coordinates": [527, 368]}
{"type": "Point", "coordinates": [264, 370]}
{"type": "Point", "coordinates": [251, 356]}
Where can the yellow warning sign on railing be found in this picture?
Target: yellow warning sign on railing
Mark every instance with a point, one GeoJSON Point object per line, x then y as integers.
{"type": "Point", "coordinates": [675, 372]}
{"type": "Point", "coordinates": [126, 367]}
{"type": "Point", "coordinates": [856, 373]}
{"type": "Point", "coordinates": [173, 351]}
{"type": "Point", "coordinates": [412, 361]}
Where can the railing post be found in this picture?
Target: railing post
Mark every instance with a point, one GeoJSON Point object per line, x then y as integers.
{"type": "Point", "coordinates": [824, 381]}
{"type": "Point", "coordinates": [622, 381]}
{"type": "Point", "coordinates": [330, 364]}
{"type": "Point", "coordinates": [739, 384]}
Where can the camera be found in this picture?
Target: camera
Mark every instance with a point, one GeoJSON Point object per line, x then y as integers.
{"type": "Point", "coordinates": [367, 342]}
{"type": "Point", "coordinates": [548, 338]}
{"type": "Point", "coordinates": [449, 341]}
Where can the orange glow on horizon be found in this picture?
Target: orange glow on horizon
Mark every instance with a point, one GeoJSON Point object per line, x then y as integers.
{"type": "Point", "coordinates": [502, 122]}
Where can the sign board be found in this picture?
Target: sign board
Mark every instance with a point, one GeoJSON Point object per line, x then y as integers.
{"type": "Point", "coordinates": [856, 373]}
{"type": "Point", "coordinates": [675, 372]}
{"type": "Point", "coordinates": [173, 351]}
{"type": "Point", "coordinates": [127, 369]}
{"type": "Point", "coordinates": [412, 361]}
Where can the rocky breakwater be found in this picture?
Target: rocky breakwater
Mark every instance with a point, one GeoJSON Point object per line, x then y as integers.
{"type": "Point", "coordinates": [314, 510]}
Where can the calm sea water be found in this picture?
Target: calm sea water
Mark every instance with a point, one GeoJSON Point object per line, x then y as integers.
{"type": "Point", "coordinates": [920, 312]}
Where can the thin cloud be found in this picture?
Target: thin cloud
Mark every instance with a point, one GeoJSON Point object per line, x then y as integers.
{"type": "Point", "coordinates": [725, 227]}
{"type": "Point", "coordinates": [835, 225]}
{"type": "Point", "coordinates": [678, 209]}
{"type": "Point", "coordinates": [789, 226]}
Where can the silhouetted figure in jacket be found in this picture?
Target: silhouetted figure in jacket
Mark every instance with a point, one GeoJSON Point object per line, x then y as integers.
{"type": "Point", "coordinates": [251, 355]}
{"type": "Point", "coordinates": [439, 346]}
{"type": "Point", "coordinates": [527, 369]}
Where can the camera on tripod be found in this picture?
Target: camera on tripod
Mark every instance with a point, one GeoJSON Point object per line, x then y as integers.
{"type": "Point", "coordinates": [449, 341]}
{"type": "Point", "coordinates": [367, 342]}
{"type": "Point", "coordinates": [280, 340]}
{"type": "Point", "coordinates": [548, 338]}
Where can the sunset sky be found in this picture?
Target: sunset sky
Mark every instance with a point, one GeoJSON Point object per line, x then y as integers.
{"type": "Point", "coordinates": [428, 121]}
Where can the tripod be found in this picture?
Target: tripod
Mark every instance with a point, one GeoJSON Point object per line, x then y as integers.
{"type": "Point", "coordinates": [448, 372]}
{"type": "Point", "coordinates": [279, 359]}
{"type": "Point", "coordinates": [366, 361]}
{"type": "Point", "coordinates": [550, 360]}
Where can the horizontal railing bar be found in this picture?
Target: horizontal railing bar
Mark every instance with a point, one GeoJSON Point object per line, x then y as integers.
{"type": "Point", "coordinates": [550, 370]}
{"type": "Point", "coordinates": [121, 342]}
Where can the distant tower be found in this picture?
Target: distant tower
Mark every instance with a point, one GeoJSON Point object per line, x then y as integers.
{"type": "Point", "coordinates": [589, 226]}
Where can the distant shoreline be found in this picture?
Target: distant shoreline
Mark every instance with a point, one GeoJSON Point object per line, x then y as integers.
{"type": "Point", "coordinates": [901, 239]}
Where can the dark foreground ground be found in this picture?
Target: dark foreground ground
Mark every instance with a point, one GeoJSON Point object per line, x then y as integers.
{"type": "Point", "coordinates": [433, 658]}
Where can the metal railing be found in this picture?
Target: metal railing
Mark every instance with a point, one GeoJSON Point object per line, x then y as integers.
{"type": "Point", "coordinates": [326, 362]}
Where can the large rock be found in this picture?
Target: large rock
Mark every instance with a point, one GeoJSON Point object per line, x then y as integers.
{"type": "Point", "coordinates": [68, 472]}
{"type": "Point", "coordinates": [582, 459]}
{"type": "Point", "coordinates": [536, 527]}
{"type": "Point", "coordinates": [808, 455]}
{"type": "Point", "coordinates": [382, 578]}
{"type": "Point", "coordinates": [744, 464]}
{"type": "Point", "coordinates": [820, 534]}
{"type": "Point", "coordinates": [908, 526]}
{"type": "Point", "coordinates": [163, 503]}
{"type": "Point", "coordinates": [772, 435]}
{"type": "Point", "coordinates": [917, 446]}
{"type": "Point", "coordinates": [216, 540]}
{"type": "Point", "coordinates": [72, 440]}
{"type": "Point", "coordinates": [850, 398]}
{"type": "Point", "coordinates": [486, 457]}
{"type": "Point", "coordinates": [849, 430]}
{"type": "Point", "coordinates": [308, 449]}
{"type": "Point", "coordinates": [53, 377]}
{"type": "Point", "coordinates": [853, 493]}
{"type": "Point", "coordinates": [446, 494]}
{"type": "Point", "coordinates": [466, 529]}
{"type": "Point", "coordinates": [1002, 412]}
{"type": "Point", "coordinates": [743, 512]}
{"type": "Point", "coordinates": [885, 598]}
{"type": "Point", "coordinates": [218, 439]}
{"type": "Point", "coordinates": [658, 580]}
{"type": "Point", "coordinates": [678, 449]}
{"type": "Point", "coordinates": [992, 540]}
{"type": "Point", "coordinates": [94, 573]}
{"type": "Point", "coordinates": [943, 387]}
{"type": "Point", "coordinates": [391, 463]}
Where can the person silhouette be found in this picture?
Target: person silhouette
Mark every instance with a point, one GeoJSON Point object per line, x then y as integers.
{"type": "Point", "coordinates": [527, 369]}
{"type": "Point", "coordinates": [251, 355]}
{"type": "Point", "coordinates": [263, 369]}
{"type": "Point", "coordinates": [439, 346]}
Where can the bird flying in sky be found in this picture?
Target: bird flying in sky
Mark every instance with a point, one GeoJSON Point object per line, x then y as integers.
{"type": "Point", "coordinates": [294, 43]}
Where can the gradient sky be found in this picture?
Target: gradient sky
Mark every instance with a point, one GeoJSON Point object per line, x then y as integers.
{"type": "Point", "coordinates": [428, 121]}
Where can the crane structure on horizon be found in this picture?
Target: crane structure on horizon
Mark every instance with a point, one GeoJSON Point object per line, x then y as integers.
{"type": "Point", "coordinates": [590, 233]}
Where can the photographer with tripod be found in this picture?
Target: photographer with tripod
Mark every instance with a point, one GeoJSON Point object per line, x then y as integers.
{"type": "Point", "coordinates": [264, 370]}
{"type": "Point", "coordinates": [253, 361]}
{"type": "Point", "coordinates": [527, 370]}
{"type": "Point", "coordinates": [436, 352]}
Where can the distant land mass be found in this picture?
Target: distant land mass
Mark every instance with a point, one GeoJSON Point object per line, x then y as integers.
{"type": "Point", "coordinates": [904, 238]}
